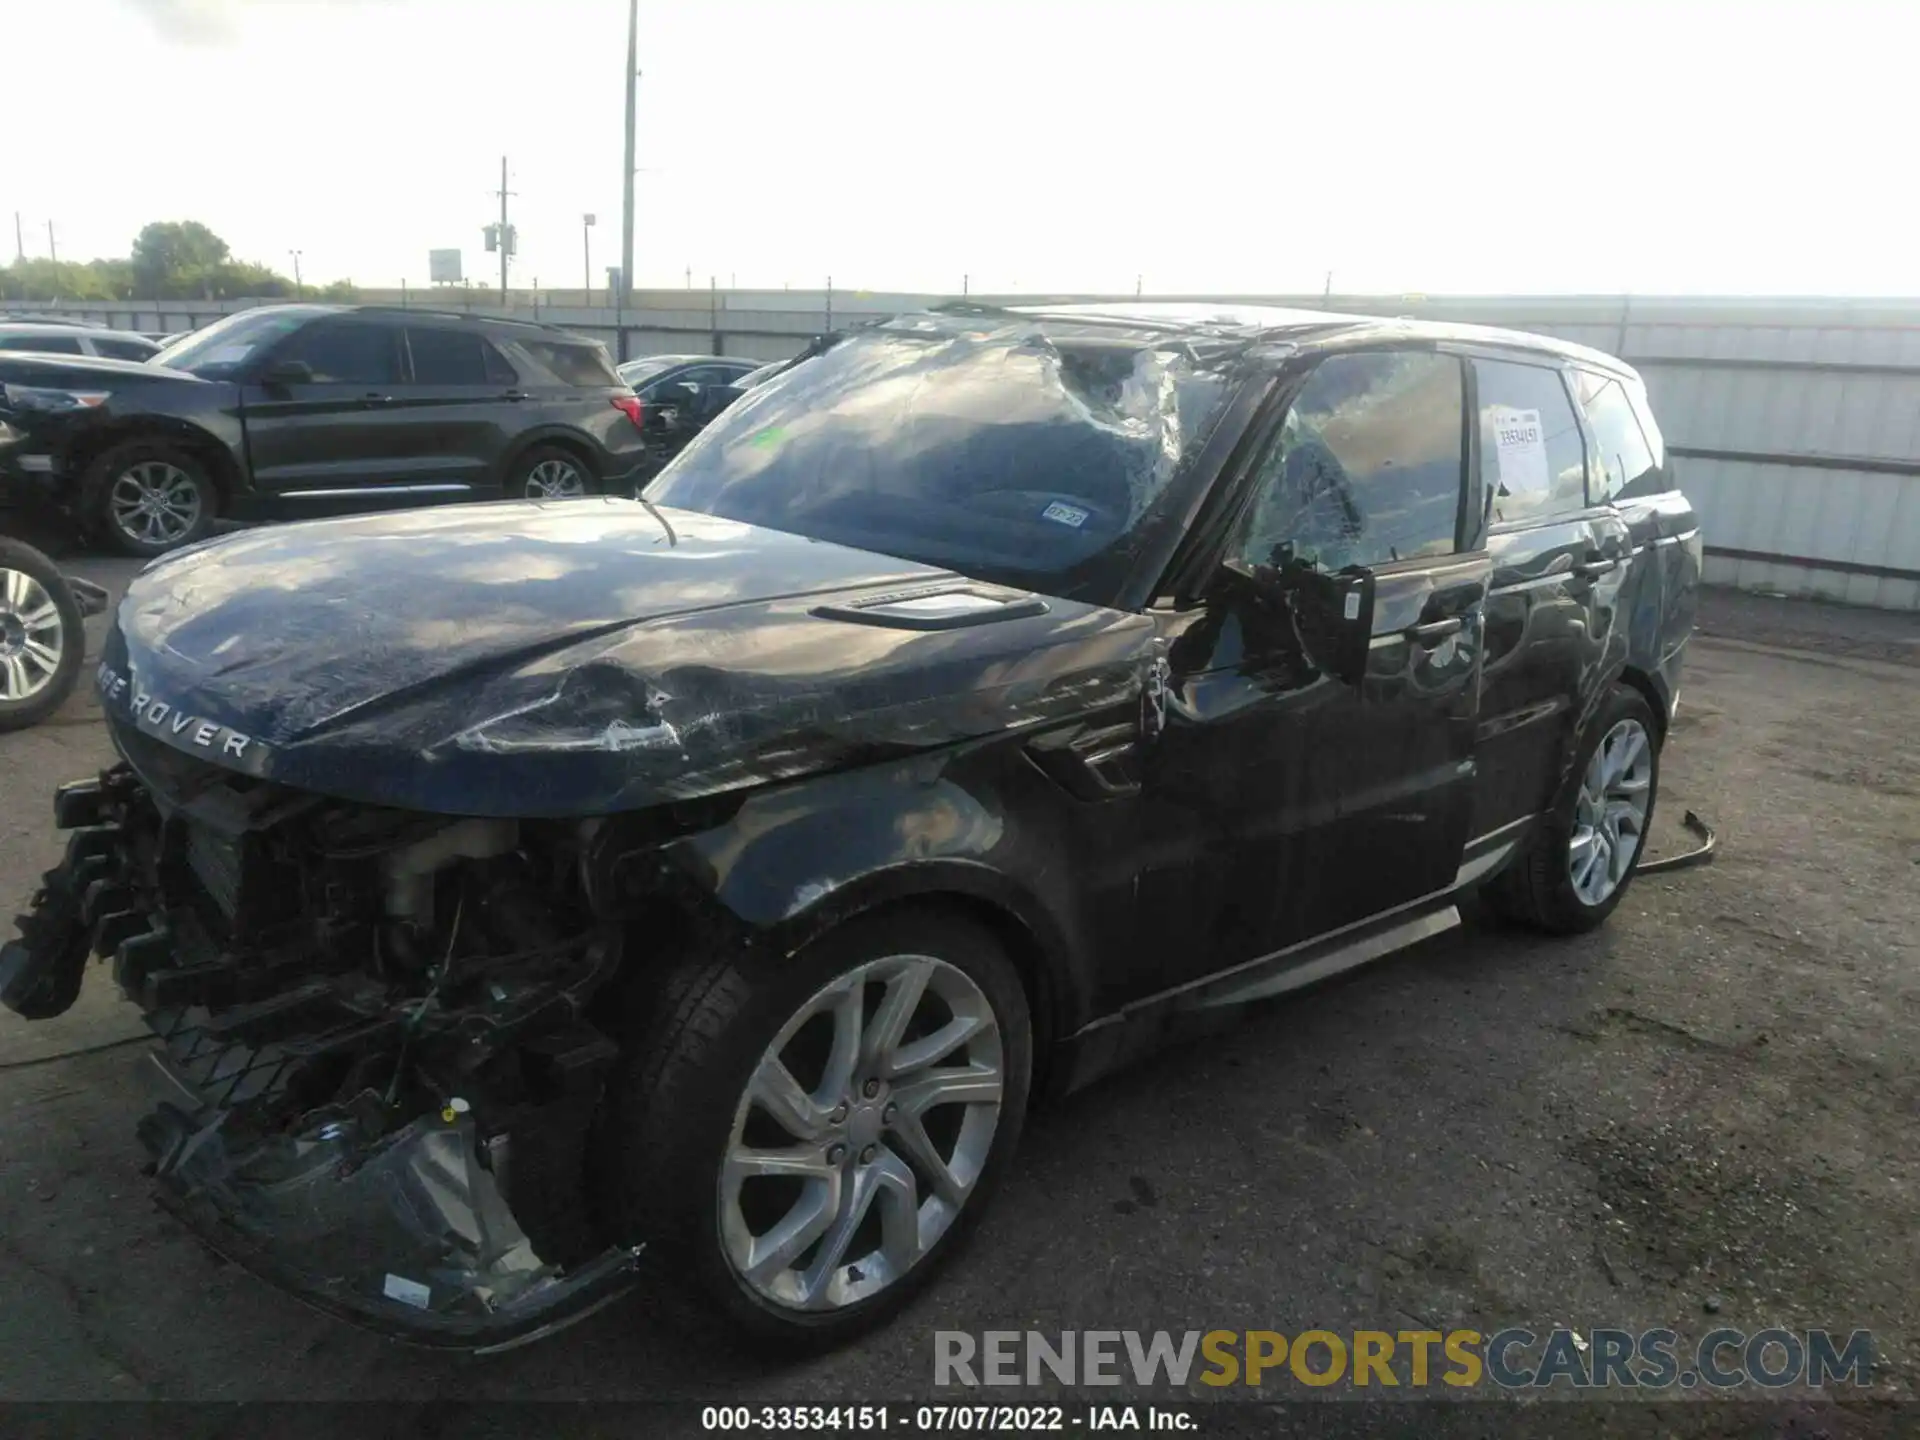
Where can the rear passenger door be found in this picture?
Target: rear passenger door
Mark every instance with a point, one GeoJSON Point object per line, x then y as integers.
{"type": "Point", "coordinates": [1553, 643]}
{"type": "Point", "coordinates": [461, 407]}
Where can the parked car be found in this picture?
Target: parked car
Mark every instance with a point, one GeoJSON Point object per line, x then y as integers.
{"type": "Point", "coordinates": [995, 696]}
{"type": "Point", "coordinates": [681, 394]}
{"type": "Point", "coordinates": [293, 411]}
{"type": "Point", "coordinates": [43, 641]}
{"type": "Point", "coordinates": [66, 338]}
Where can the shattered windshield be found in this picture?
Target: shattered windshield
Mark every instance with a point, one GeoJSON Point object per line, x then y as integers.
{"type": "Point", "coordinates": [1022, 451]}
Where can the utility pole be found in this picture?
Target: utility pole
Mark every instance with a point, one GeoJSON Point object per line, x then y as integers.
{"type": "Point", "coordinates": [1326, 294]}
{"type": "Point", "coordinates": [586, 254]}
{"type": "Point", "coordinates": [297, 287]}
{"type": "Point", "coordinates": [19, 238]}
{"type": "Point", "coordinates": [626, 214]}
{"type": "Point", "coordinates": [53, 251]}
{"type": "Point", "coordinates": [506, 241]}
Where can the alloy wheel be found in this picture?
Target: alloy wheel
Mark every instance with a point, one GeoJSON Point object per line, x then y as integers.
{"type": "Point", "coordinates": [31, 637]}
{"type": "Point", "coordinates": [1610, 816]}
{"type": "Point", "coordinates": [155, 503]}
{"type": "Point", "coordinates": [555, 480]}
{"type": "Point", "coordinates": [863, 1131]}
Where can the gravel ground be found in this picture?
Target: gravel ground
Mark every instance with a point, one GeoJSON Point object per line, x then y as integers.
{"type": "Point", "coordinates": [1708, 1113]}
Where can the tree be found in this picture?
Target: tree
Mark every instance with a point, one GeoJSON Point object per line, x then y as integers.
{"type": "Point", "coordinates": [176, 259]}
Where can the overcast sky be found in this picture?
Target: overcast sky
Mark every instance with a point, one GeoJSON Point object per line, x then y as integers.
{"type": "Point", "coordinates": [1684, 147]}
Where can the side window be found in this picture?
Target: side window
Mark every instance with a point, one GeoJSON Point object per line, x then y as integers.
{"type": "Point", "coordinates": [45, 344]}
{"type": "Point", "coordinates": [500, 370]}
{"type": "Point", "coordinates": [1625, 462]}
{"type": "Point", "coordinates": [570, 364]}
{"type": "Point", "coordinates": [345, 353]}
{"type": "Point", "coordinates": [447, 357]}
{"type": "Point", "coordinates": [1368, 467]}
{"type": "Point", "coordinates": [124, 349]}
{"type": "Point", "coordinates": [1532, 459]}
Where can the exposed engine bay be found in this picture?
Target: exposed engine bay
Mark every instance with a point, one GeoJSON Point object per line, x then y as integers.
{"type": "Point", "coordinates": [378, 1070]}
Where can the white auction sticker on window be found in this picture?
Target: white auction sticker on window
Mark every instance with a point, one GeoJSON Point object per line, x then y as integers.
{"type": "Point", "coordinates": [1062, 513]}
{"type": "Point", "coordinates": [1520, 446]}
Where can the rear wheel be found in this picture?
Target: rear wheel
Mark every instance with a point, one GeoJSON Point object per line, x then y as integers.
{"type": "Point", "coordinates": [154, 497]}
{"type": "Point", "coordinates": [548, 472]}
{"type": "Point", "coordinates": [42, 643]}
{"type": "Point", "coordinates": [1579, 862]}
{"type": "Point", "coordinates": [808, 1140]}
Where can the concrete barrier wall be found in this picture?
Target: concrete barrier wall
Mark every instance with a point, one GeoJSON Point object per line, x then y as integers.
{"type": "Point", "coordinates": [1795, 423]}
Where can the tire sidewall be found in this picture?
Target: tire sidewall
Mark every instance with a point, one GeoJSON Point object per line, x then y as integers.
{"type": "Point", "coordinates": [1622, 703]}
{"type": "Point", "coordinates": [17, 715]}
{"type": "Point", "coordinates": [115, 462]}
{"type": "Point", "coordinates": [678, 1210]}
{"type": "Point", "coordinates": [522, 472]}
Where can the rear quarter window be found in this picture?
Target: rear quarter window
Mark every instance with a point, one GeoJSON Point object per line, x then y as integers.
{"type": "Point", "coordinates": [561, 362]}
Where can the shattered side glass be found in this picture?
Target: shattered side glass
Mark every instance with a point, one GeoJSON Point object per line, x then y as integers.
{"type": "Point", "coordinates": [1009, 450]}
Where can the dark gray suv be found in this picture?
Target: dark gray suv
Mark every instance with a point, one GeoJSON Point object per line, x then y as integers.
{"type": "Point", "coordinates": [295, 411]}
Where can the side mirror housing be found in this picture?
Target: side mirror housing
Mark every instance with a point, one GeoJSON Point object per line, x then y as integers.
{"type": "Point", "coordinates": [1332, 612]}
{"type": "Point", "coordinates": [287, 372]}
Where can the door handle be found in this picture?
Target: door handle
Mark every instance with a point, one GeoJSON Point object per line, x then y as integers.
{"type": "Point", "coordinates": [373, 397]}
{"type": "Point", "coordinates": [1594, 569]}
{"type": "Point", "coordinates": [1435, 631]}
{"type": "Point", "coordinates": [515, 395]}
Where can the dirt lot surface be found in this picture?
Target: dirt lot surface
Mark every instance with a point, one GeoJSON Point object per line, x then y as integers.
{"type": "Point", "coordinates": [1706, 1114]}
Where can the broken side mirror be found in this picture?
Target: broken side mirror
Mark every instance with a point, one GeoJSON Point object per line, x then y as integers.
{"type": "Point", "coordinates": [1332, 611]}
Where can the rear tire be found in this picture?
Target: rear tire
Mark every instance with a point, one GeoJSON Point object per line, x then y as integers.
{"type": "Point", "coordinates": [151, 498]}
{"type": "Point", "coordinates": [1581, 858]}
{"type": "Point", "coordinates": [42, 637]}
{"type": "Point", "coordinates": [550, 472]}
{"type": "Point", "coordinates": [869, 1202]}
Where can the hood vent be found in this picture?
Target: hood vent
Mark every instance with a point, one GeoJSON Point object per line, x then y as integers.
{"type": "Point", "coordinates": [950, 608]}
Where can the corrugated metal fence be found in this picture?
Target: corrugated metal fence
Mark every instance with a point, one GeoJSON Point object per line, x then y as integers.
{"type": "Point", "coordinates": [1796, 422]}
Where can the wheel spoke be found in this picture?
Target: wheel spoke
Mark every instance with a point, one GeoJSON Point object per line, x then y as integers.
{"type": "Point", "coordinates": [957, 1085]}
{"type": "Point", "coordinates": [769, 1254]}
{"type": "Point", "coordinates": [17, 583]}
{"type": "Point", "coordinates": [45, 617]}
{"type": "Point", "coordinates": [909, 1136]}
{"type": "Point", "coordinates": [936, 1047]}
{"type": "Point", "coordinates": [894, 1013]}
{"type": "Point", "coordinates": [849, 1016]}
{"type": "Point", "coordinates": [805, 1162]}
{"type": "Point", "coordinates": [899, 1196]}
{"type": "Point", "coordinates": [856, 1194]}
{"type": "Point", "coordinates": [47, 655]}
{"type": "Point", "coordinates": [14, 681]}
{"type": "Point", "coordinates": [779, 1094]}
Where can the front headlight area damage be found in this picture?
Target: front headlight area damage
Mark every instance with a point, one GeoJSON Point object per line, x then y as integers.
{"type": "Point", "coordinates": [378, 1061]}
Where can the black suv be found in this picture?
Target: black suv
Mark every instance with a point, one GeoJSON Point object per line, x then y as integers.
{"type": "Point", "coordinates": [966, 711]}
{"type": "Point", "coordinates": [293, 411]}
{"type": "Point", "coordinates": [680, 395]}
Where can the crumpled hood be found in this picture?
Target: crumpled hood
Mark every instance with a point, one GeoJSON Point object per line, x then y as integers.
{"type": "Point", "coordinates": [576, 658]}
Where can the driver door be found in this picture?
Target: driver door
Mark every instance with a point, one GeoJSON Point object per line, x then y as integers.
{"type": "Point", "coordinates": [1319, 802]}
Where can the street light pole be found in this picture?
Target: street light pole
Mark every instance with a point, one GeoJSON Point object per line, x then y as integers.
{"type": "Point", "coordinates": [586, 255]}
{"type": "Point", "coordinates": [297, 286]}
{"type": "Point", "coordinates": [626, 215]}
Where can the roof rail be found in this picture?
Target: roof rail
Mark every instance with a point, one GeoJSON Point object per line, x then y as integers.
{"type": "Point", "coordinates": [459, 315]}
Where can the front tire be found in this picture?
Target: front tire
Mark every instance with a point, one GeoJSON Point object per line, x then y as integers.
{"type": "Point", "coordinates": [1580, 861]}
{"type": "Point", "coordinates": [806, 1140]}
{"type": "Point", "coordinates": [42, 639]}
{"type": "Point", "coordinates": [152, 498]}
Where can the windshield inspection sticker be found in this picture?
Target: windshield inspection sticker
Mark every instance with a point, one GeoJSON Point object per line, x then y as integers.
{"type": "Point", "coordinates": [1521, 446]}
{"type": "Point", "coordinates": [1062, 513]}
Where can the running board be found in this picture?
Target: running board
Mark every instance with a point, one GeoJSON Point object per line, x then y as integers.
{"type": "Point", "coordinates": [1290, 972]}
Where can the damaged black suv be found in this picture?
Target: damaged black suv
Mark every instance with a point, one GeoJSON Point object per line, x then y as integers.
{"type": "Point", "coordinates": [528, 896]}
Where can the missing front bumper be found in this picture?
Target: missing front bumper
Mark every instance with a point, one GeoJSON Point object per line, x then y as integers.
{"type": "Point", "coordinates": [408, 1235]}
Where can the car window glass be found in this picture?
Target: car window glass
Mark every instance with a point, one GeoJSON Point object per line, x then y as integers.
{"type": "Point", "coordinates": [561, 363]}
{"type": "Point", "coordinates": [1367, 468]}
{"type": "Point", "coordinates": [499, 370]}
{"type": "Point", "coordinates": [1532, 458]}
{"type": "Point", "coordinates": [124, 349]}
{"type": "Point", "coordinates": [446, 357]}
{"type": "Point", "coordinates": [45, 344]}
{"type": "Point", "coordinates": [1649, 427]}
{"type": "Point", "coordinates": [1624, 459]}
{"type": "Point", "coordinates": [347, 354]}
